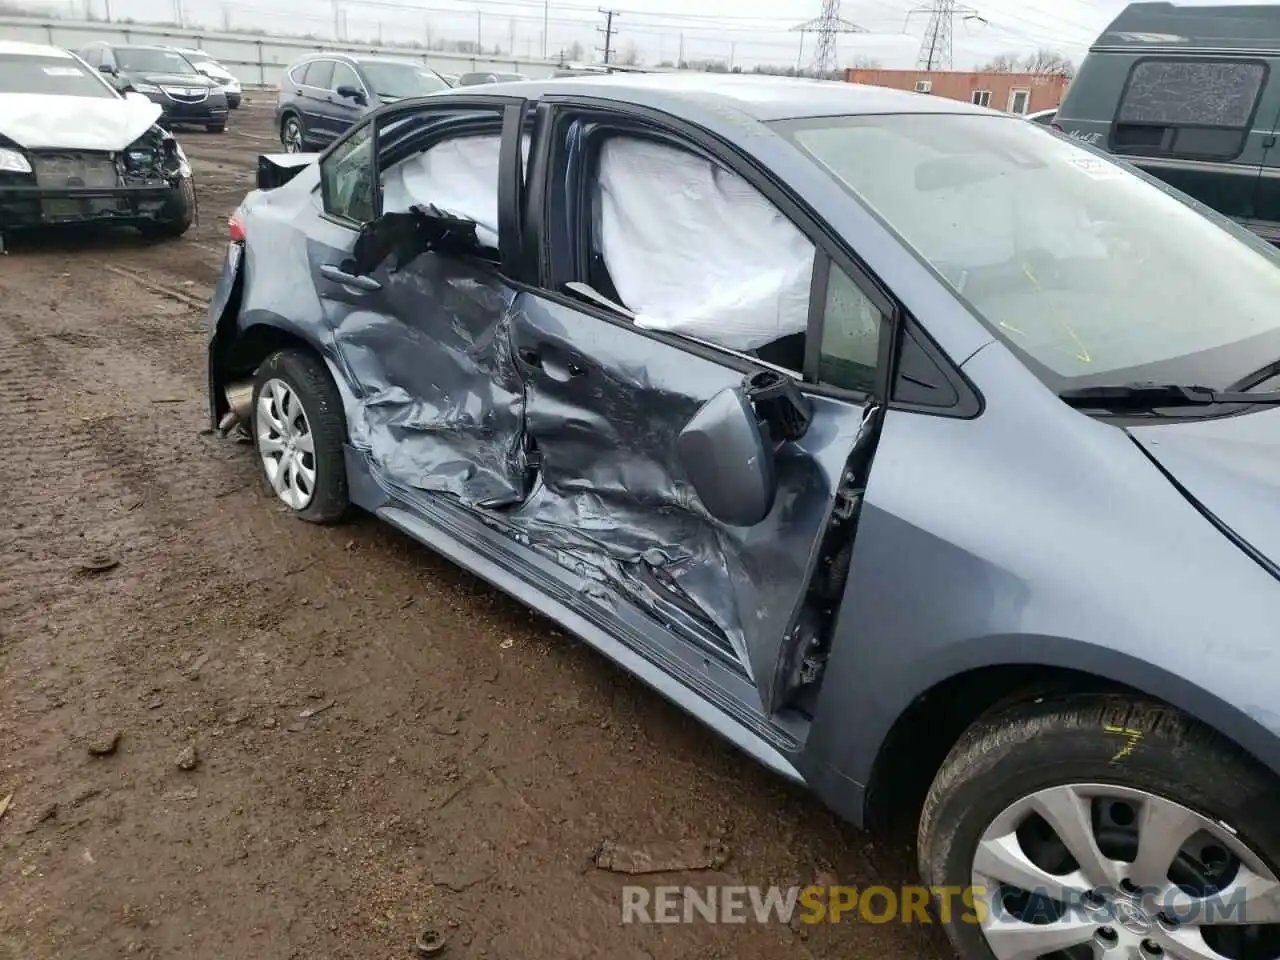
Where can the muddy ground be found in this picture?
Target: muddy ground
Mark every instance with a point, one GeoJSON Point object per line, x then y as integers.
{"type": "Point", "coordinates": [459, 760]}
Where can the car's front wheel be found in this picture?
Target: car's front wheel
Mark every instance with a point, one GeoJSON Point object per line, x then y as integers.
{"type": "Point", "coordinates": [1102, 829]}
{"type": "Point", "coordinates": [299, 429]}
{"type": "Point", "coordinates": [293, 135]}
{"type": "Point", "coordinates": [176, 217]}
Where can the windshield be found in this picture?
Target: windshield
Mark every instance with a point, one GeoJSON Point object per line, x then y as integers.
{"type": "Point", "coordinates": [1091, 273]}
{"type": "Point", "coordinates": [209, 67]}
{"type": "Point", "coordinates": [60, 76]}
{"type": "Point", "coordinates": [400, 80]}
{"type": "Point", "coordinates": [151, 60]}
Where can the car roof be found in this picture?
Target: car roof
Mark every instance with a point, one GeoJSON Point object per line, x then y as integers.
{"type": "Point", "coordinates": [761, 97]}
{"type": "Point", "coordinates": [16, 48]}
{"type": "Point", "coordinates": [1141, 27]}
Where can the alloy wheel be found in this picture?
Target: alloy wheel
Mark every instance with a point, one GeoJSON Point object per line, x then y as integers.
{"type": "Point", "coordinates": [285, 444]}
{"type": "Point", "coordinates": [1100, 872]}
{"type": "Point", "coordinates": [292, 136]}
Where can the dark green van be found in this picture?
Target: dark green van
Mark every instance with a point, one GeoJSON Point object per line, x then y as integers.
{"type": "Point", "coordinates": [1191, 94]}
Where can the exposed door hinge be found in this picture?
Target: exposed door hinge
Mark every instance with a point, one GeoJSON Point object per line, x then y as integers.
{"type": "Point", "coordinates": [848, 496]}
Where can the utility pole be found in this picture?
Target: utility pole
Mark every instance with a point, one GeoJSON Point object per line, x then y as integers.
{"type": "Point", "coordinates": [337, 20]}
{"type": "Point", "coordinates": [680, 58]}
{"type": "Point", "coordinates": [512, 25]}
{"type": "Point", "coordinates": [936, 49]}
{"type": "Point", "coordinates": [107, 5]}
{"type": "Point", "coordinates": [479, 38]}
{"type": "Point", "coordinates": [546, 15]}
{"type": "Point", "coordinates": [733, 48]}
{"type": "Point", "coordinates": [607, 30]}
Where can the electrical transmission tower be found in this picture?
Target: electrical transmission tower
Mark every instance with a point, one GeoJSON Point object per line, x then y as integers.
{"type": "Point", "coordinates": [826, 26]}
{"type": "Point", "coordinates": [936, 48]}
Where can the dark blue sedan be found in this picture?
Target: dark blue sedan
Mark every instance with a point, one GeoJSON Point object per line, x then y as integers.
{"type": "Point", "coordinates": [929, 456]}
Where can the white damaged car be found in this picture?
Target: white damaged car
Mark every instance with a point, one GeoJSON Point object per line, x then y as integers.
{"type": "Point", "coordinates": [73, 150]}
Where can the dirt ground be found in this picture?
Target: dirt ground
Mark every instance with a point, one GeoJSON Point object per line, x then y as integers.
{"type": "Point", "coordinates": [383, 743]}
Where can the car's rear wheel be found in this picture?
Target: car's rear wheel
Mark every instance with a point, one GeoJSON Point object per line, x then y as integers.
{"type": "Point", "coordinates": [1102, 829]}
{"type": "Point", "coordinates": [299, 429]}
{"type": "Point", "coordinates": [293, 134]}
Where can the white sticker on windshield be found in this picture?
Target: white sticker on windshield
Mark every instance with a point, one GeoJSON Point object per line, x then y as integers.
{"type": "Point", "coordinates": [63, 72]}
{"type": "Point", "coordinates": [1096, 168]}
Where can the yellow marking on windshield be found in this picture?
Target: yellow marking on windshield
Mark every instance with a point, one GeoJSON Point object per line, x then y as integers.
{"type": "Point", "coordinates": [1083, 355]}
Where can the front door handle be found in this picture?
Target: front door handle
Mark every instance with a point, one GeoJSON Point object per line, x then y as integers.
{"type": "Point", "coordinates": [338, 275]}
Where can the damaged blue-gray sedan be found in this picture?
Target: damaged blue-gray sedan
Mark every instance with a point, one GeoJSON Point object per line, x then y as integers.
{"type": "Point", "coordinates": [928, 456]}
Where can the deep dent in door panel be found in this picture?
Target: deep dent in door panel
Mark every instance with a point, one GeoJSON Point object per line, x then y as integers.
{"type": "Point", "coordinates": [442, 403]}
{"type": "Point", "coordinates": [613, 496]}
{"type": "Point", "coordinates": [611, 502]}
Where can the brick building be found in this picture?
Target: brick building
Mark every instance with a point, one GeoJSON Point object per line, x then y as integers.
{"type": "Point", "coordinates": [1012, 92]}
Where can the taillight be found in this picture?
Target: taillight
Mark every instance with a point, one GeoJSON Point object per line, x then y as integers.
{"type": "Point", "coordinates": [235, 227]}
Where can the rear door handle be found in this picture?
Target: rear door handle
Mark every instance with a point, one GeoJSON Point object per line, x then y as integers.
{"type": "Point", "coordinates": [337, 275]}
{"type": "Point", "coordinates": [553, 365]}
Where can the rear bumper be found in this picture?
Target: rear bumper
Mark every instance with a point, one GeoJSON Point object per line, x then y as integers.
{"type": "Point", "coordinates": [31, 206]}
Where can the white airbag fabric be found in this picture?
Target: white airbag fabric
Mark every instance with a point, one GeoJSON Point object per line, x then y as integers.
{"type": "Point", "coordinates": [693, 249]}
{"type": "Point", "coordinates": [50, 122]}
{"type": "Point", "coordinates": [458, 176]}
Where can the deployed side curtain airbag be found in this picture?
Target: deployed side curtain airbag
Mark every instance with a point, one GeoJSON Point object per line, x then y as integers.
{"type": "Point", "coordinates": [458, 176]}
{"type": "Point", "coordinates": [693, 249]}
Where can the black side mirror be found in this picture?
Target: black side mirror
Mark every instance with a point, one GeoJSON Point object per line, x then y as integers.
{"type": "Point", "coordinates": [107, 68]}
{"type": "Point", "coordinates": [350, 93]}
{"type": "Point", "coordinates": [729, 460]}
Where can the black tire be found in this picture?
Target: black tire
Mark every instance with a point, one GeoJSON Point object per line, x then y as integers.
{"type": "Point", "coordinates": [177, 216]}
{"type": "Point", "coordinates": [307, 377]}
{"type": "Point", "coordinates": [216, 127]}
{"type": "Point", "coordinates": [1029, 747]}
{"type": "Point", "coordinates": [292, 119]}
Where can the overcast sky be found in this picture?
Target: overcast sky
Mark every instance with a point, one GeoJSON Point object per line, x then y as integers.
{"type": "Point", "coordinates": [750, 32]}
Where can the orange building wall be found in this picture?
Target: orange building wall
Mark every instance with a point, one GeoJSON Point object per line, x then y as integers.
{"type": "Point", "coordinates": [1046, 90]}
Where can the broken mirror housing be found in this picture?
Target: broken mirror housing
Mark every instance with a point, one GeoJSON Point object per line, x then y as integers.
{"type": "Point", "coordinates": [729, 460]}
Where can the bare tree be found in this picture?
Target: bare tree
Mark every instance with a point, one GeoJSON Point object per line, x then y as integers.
{"type": "Point", "coordinates": [1004, 63]}
{"type": "Point", "coordinates": [575, 51]}
{"type": "Point", "coordinates": [1049, 62]}
{"type": "Point", "coordinates": [630, 56]}
{"type": "Point", "coordinates": [863, 62]}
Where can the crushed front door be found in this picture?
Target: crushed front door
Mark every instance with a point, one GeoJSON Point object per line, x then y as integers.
{"type": "Point", "coordinates": [604, 406]}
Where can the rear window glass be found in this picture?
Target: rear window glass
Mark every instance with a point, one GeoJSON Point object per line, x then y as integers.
{"type": "Point", "coordinates": [1192, 92]}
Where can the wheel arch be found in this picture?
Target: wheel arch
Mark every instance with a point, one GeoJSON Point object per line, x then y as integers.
{"type": "Point", "coordinates": [238, 349]}
{"type": "Point", "coordinates": [933, 719]}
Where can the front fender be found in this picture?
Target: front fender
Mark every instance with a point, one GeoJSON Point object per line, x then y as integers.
{"type": "Point", "coordinates": [1036, 536]}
